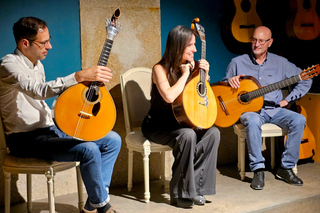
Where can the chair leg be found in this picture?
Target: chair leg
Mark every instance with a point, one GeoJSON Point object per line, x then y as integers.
{"type": "Point", "coordinates": [50, 176]}
{"type": "Point", "coordinates": [146, 175]}
{"type": "Point", "coordinates": [241, 154]}
{"type": "Point", "coordinates": [295, 169]}
{"type": "Point", "coordinates": [7, 191]}
{"type": "Point", "coordinates": [80, 188]}
{"type": "Point", "coordinates": [272, 147]}
{"type": "Point", "coordinates": [130, 168]}
{"type": "Point", "coordinates": [163, 166]}
{"type": "Point", "coordinates": [29, 192]}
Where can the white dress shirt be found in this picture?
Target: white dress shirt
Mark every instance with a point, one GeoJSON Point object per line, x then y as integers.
{"type": "Point", "coordinates": [23, 90]}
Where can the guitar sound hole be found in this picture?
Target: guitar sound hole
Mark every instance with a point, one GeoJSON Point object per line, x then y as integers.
{"type": "Point", "coordinates": [306, 5]}
{"type": "Point", "coordinates": [202, 89]}
{"type": "Point", "coordinates": [91, 95]}
{"type": "Point", "coordinates": [245, 5]}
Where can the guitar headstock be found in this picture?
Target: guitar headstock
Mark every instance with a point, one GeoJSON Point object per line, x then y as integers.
{"type": "Point", "coordinates": [113, 25]}
{"type": "Point", "coordinates": [310, 72]}
{"type": "Point", "coordinates": [199, 30]}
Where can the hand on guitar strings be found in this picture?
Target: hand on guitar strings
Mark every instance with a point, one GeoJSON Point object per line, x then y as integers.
{"type": "Point", "coordinates": [234, 82]}
{"type": "Point", "coordinates": [95, 73]}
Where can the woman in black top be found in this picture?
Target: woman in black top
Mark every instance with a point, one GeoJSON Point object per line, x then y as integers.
{"type": "Point", "coordinates": [195, 151]}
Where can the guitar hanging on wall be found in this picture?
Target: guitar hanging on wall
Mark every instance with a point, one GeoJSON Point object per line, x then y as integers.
{"type": "Point", "coordinates": [305, 22]}
{"type": "Point", "coordinates": [245, 20]}
{"type": "Point", "coordinates": [238, 23]}
{"type": "Point", "coordinates": [196, 106]}
{"type": "Point", "coordinates": [87, 112]}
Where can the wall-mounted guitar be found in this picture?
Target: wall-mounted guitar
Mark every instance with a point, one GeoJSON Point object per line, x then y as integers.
{"type": "Point", "coordinates": [239, 21]}
{"type": "Point", "coordinates": [245, 20]}
{"type": "Point", "coordinates": [87, 111]}
{"type": "Point", "coordinates": [248, 97]}
{"type": "Point", "coordinates": [305, 22]}
{"type": "Point", "coordinates": [196, 106]}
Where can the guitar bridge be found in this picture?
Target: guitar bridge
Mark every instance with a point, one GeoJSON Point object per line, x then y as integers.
{"type": "Point", "coordinates": [84, 115]}
{"type": "Point", "coordinates": [223, 106]}
{"type": "Point", "coordinates": [205, 103]}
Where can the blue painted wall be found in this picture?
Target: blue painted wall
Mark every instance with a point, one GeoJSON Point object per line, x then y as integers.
{"type": "Point", "coordinates": [62, 18]}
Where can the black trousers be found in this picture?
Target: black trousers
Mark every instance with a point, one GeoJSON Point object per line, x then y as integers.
{"type": "Point", "coordinates": [195, 153]}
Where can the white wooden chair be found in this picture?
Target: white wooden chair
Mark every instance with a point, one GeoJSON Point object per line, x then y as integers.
{"type": "Point", "coordinates": [29, 166]}
{"type": "Point", "coordinates": [135, 89]}
{"type": "Point", "coordinates": [268, 130]}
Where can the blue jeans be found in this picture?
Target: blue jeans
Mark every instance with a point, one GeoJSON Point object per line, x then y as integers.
{"type": "Point", "coordinates": [286, 119]}
{"type": "Point", "coordinates": [96, 158]}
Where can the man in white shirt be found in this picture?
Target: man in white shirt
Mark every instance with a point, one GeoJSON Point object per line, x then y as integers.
{"type": "Point", "coordinates": [30, 130]}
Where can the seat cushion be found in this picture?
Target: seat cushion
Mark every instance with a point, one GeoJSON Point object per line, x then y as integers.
{"type": "Point", "coordinates": [136, 141]}
{"type": "Point", "coordinates": [13, 164]}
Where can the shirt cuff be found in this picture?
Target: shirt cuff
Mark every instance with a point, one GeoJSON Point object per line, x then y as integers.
{"type": "Point", "coordinates": [70, 80]}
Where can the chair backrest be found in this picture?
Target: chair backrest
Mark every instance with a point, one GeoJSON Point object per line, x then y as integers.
{"type": "Point", "coordinates": [3, 144]}
{"type": "Point", "coordinates": [135, 89]}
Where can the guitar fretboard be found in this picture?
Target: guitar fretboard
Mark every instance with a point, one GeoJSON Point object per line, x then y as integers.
{"type": "Point", "coordinates": [203, 56]}
{"type": "Point", "coordinates": [270, 88]}
{"type": "Point", "coordinates": [104, 57]}
{"type": "Point", "coordinates": [103, 60]}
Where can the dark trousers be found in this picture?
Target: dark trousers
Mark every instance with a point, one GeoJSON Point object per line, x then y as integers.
{"type": "Point", "coordinates": [195, 153]}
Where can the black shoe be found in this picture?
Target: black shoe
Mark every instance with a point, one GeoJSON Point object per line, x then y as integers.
{"type": "Point", "coordinates": [182, 202]}
{"type": "Point", "coordinates": [289, 176]}
{"type": "Point", "coordinates": [258, 180]}
{"type": "Point", "coordinates": [199, 200]}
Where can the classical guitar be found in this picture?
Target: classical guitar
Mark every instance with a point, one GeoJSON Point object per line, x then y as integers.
{"type": "Point", "coordinates": [87, 111]}
{"type": "Point", "coordinates": [196, 106]}
{"type": "Point", "coordinates": [249, 96]}
{"type": "Point", "coordinates": [246, 19]}
{"type": "Point", "coordinates": [308, 142]}
{"type": "Point", "coordinates": [305, 23]}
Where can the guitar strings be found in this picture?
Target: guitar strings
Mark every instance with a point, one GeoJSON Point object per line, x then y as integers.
{"type": "Point", "coordinates": [85, 107]}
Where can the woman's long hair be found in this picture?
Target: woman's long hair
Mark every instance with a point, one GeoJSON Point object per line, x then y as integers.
{"type": "Point", "coordinates": [177, 41]}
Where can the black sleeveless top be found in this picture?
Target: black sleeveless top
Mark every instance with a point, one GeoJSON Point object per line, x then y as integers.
{"type": "Point", "coordinates": [161, 111]}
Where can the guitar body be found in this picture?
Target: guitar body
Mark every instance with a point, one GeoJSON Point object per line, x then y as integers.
{"type": "Point", "coordinates": [194, 110]}
{"type": "Point", "coordinates": [246, 19]}
{"type": "Point", "coordinates": [87, 112]}
{"type": "Point", "coordinates": [305, 24]}
{"type": "Point", "coordinates": [85, 119]}
{"type": "Point", "coordinates": [229, 105]}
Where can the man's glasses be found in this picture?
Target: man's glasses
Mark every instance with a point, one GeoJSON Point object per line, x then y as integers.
{"type": "Point", "coordinates": [261, 41]}
{"type": "Point", "coordinates": [42, 44]}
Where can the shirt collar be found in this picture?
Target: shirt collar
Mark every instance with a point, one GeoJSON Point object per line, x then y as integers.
{"type": "Point", "coordinates": [251, 55]}
{"type": "Point", "coordinates": [26, 60]}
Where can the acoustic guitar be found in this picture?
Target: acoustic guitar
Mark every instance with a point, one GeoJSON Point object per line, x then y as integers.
{"type": "Point", "coordinates": [196, 106]}
{"type": "Point", "coordinates": [246, 19]}
{"type": "Point", "coordinates": [248, 97]}
{"type": "Point", "coordinates": [308, 142]}
{"type": "Point", "coordinates": [305, 23]}
{"type": "Point", "coordinates": [86, 111]}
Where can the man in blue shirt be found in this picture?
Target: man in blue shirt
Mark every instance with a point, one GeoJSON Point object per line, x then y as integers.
{"type": "Point", "coordinates": [269, 68]}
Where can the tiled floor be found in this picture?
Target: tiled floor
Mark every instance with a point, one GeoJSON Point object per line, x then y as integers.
{"type": "Point", "coordinates": [233, 195]}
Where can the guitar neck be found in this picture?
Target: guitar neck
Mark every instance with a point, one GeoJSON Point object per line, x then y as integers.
{"type": "Point", "coordinates": [270, 88]}
{"type": "Point", "coordinates": [103, 60]}
{"type": "Point", "coordinates": [104, 57]}
{"type": "Point", "coordinates": [203, 56]}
